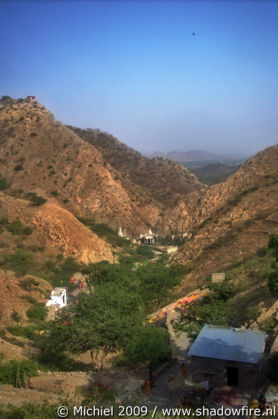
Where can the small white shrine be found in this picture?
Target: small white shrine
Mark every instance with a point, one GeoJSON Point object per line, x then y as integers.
{"type": "Point", "coordinates": [58, 298]}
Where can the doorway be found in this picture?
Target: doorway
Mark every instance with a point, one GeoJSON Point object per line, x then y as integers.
{"type": "Point", "coordinates": [232, 376]}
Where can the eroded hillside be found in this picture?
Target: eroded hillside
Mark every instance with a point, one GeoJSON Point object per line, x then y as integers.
{"type": "Point", "coordinates": [234, 219]}
{"type": "Point", "coordinates": [159, 179]}
{"type": "Point", "coordinates": [102, 180]}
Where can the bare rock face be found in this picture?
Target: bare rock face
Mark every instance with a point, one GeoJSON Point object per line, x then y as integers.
{"type": "Point", "coordinates": [69, 235]}
{"type": "Point", "coordinates": [234, 219]}
{"type": "Point", "coordinates": [54, 228]}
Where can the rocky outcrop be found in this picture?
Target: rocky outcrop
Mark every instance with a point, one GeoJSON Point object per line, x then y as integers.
{"type": "Point", "coordinates": [69, 235]}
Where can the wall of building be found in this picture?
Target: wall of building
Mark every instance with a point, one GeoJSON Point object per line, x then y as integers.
{"type": "Point", "coordinates": [216, 371]}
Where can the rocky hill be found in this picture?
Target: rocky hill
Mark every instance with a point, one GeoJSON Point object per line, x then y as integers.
{"type": "Point", "coordinates": [109, 184]}
{"type": "Point", "coordinates": [158, 180]}
{"type": "Point", "coordinates": [90, 174]}
{"type": "Point", "coordinates": [234, 219]}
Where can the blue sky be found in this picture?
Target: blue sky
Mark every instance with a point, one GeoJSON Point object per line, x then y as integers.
{"type": "Point", "coordinates": [134, 69]}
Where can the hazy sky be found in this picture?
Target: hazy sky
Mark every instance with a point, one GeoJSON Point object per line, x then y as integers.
{"type": "Point", "coordinates": [134, 69]}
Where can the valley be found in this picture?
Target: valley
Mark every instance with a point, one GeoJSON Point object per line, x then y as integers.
{"type": "Point", "coordinates": [79, 202]}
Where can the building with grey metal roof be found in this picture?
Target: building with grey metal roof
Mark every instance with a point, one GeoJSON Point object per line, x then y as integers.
{"type": "Point", "coordinates": [228, 356]}
{"type": "Point", "coordinates": [229, 344]}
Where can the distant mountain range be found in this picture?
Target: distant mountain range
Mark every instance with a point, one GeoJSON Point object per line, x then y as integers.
{"type": "Point", "coordinates": [196, 155]}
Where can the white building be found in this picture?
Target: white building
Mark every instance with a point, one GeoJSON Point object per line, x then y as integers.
{"type": "Point", "coordinates": [147, 238]}
{"type": "Point", "coordinates": [58, 298]}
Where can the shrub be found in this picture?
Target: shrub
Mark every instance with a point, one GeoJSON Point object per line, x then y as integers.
{"type": "Point", "coordinates": [27, 283]}
{"type": "Point", "coordinates": [35, 248]}
{"type": "Point", "coordinates": [3, 183]}
{"type": "Point", "coordinates": [28, 298]}
{"type": "Point", "coordinates": [27, 230]}
{"type": "Point", "coordinates": [35, 199]}
{"type": "Point", "coordinates": [18, 167]}
{"type": "Point", "coordinates": [33, 134]}
{"type": "Point", "coordinates": [37, 312]}
{"type": "Point", "coordinates": [15, 316]}
{"type": "Point", "coordinates": [17, 372]}
{"type": "Point", "coordinates": [269, 325]}
{"type": "Point", "coordinates": [24, 332]}
{"type": "Point", "coordinates": [55, 193]}
{"type": "Point", "coordinates": [16, 227]}
{"type": "Point", "coordinates": [4, 221]}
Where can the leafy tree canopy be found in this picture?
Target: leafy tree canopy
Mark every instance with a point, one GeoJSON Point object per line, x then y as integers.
{"type": "Point", "coordinates": [150, 343]}
{"type": "Point", "coordinates": [101, 323]}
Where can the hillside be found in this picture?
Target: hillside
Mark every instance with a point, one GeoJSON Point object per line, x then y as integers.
{"type": "Point", "coordinates": [109, 184]}
{"type": "Point", "coordinates": [234, 219]}
{"type": "Point", "coordinates": [157, 179]}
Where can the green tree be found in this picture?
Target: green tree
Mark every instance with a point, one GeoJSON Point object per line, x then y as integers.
{"type": "Point", "coordinates": [157, 282]}
{"type": "Point", "coordinates": [273, 244]}
{"type": "Point", "coordinates": [101, 323]}
{"type": "Point", "coordinates": [273, 282]}
{"type": "Point", "coordinates": [195, 316]}
{"type": "Point", "coordinates": [150, 343]}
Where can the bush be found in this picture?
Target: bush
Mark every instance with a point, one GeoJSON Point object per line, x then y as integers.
{"type": "Point", "coordinates": [223, 291]}
{"type": "Point", "coordinates": [150, 343]}
{"type": "Point", "coordinates": [3, 183]}
{"type": "Point", "coordinates": [27, 230]}
{"type": "Point", "coordinates": [269, 325]}
{"type": "Point", "coordinates": [4, 221]}
{"type": "Point", "coordinates": [35, 248]}
{"type": "Point", "coordinates": [15, 316]}
{"type": "Point", "coordinates": [28, 298]}
{"type": "Point", "coordinates": [35, 199]}
{"type": "Point", "coordinates": [17, 373]}
{"type": "Point", "coordinates": [24, 332]}
{"type": "Point", "coordinates": [16, 227]}
{"type": "Point", "coordinates": [27, 283]}
{"type": "Point", "coordinates": [37, 312]}
{"type": "Point", "coordinates": [273, 282]}
{"type": "Point", "coordinates": [18, 167]}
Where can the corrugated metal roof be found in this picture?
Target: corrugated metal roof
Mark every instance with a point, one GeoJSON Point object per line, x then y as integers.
{"type": "Point", "coordinates": [229, 344]}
